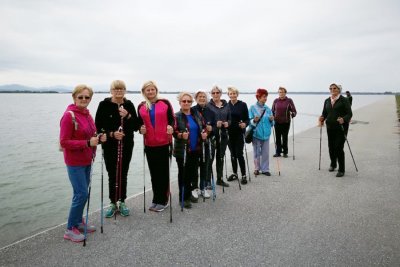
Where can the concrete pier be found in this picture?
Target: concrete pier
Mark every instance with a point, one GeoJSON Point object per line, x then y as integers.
{"type": "Point", "coordinates": [304, 217]}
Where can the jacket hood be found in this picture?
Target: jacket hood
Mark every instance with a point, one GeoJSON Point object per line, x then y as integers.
{"type": "Point", "coordinates": [224, 103]}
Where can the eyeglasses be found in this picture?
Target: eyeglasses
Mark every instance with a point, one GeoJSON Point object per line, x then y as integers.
{"type": "Point", "coordinates": [186, 101]}
{"type": "Point", "coordinates": [119, 89]}
{"type": "Point", "coordinates": [215, 93]}
{"type": "Point", "coordinates": [81, 97]}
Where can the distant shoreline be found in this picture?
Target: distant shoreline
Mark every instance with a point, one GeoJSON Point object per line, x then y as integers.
{"type": "Point", "coordinates": [177, 92]}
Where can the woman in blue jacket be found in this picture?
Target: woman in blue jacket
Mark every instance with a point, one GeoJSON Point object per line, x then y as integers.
{"type": "Point", "coordinates": [262, 132]}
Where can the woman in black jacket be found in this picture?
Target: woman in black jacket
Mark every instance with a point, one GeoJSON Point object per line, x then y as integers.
{"type": "Point", "coordinates": [239, 122]}
{"type": "Point", "coordinates": [116, 116]}
{"type": "Point", "coordinates": [189, 132]}
{"type": "Point", "coordinates": [337, 115]}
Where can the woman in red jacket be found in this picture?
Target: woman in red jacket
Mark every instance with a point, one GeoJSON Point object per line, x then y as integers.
{"type": "Point", "coordinates": [156, 117]}
{"type": "Point", "coordinates": [78, 140]}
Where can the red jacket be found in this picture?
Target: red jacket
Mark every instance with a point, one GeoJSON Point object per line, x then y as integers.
{"type": "Point", "coordinates": [74, 142]}
{"type": "Point", "coordinates": [164, 116]}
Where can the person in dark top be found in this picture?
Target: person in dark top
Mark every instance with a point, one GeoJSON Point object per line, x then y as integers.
{"type": "Point", "coordinates": [349, 97]}
{"type": "Point", "coordinates": [189, 133]}
{"type": "Point", "coordinates": [205, 162]}
{"type": "Point", "coordinates": [223, 119]}
{"type": "Point", "coordinates": [283, 109]}
{"type": "Point", "coordinates": [337, 114]}
{"type": "Point", "coordinates": [116, 116]}
{"type": "Point", "coordinates": [239, 122]}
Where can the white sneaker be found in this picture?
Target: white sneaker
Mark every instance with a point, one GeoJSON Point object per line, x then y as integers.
{"type": "Point", "coordinates": [205, 194]}
{"type": "Point", "coordinates": [195, 195]}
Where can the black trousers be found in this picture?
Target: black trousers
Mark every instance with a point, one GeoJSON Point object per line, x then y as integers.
{"type": "Point", "coordinates": [187, 174]}
{"type": "Point", "coordinates": [204, 167]}
{"type": "Point", "coordinates": [282, 131]}
{"type": "Point", "coordinates": [236, 146]}
{"type": "Point", "coordinates": [158, 161]}
{"type": "Point", "coordinates": [336, 141]}
{"type": "Point", "coordinates": [219, 152]}
{"type": "Point", "coordinates": [110, 159]}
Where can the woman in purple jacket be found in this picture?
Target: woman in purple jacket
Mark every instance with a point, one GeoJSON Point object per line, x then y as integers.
{"type": "Point", "coordinates": [283, 109]}
{"type": "Point", "coordinates": [78, 140]}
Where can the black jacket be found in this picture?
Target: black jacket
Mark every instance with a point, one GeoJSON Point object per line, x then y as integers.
{"type": "Point", "coordinates": [341, 108]}
{"type": "Point", "coordinates": [239, 113]}
{"type": "Point", "coordinates": [109, 120]}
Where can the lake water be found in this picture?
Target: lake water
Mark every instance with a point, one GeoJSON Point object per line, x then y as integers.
{"type": "Point", "coordinates": [35, 192]}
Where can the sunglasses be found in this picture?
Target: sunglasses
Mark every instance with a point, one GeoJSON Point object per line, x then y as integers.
{"type": "Point", "coordinates": [81, 97]}
{"type": "Point", "coordinates": [186, 101]}
{"type": "Point", "coordinates": [215, 93]}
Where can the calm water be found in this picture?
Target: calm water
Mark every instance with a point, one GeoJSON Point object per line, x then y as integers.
{"type": "Point", "coordinates": [35, 192]}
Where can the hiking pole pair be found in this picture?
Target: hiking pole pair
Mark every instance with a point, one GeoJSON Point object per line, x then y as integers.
{"type": "Point", "coordinates": [212, 172]}
{"type": "Point", "coordinates": [293, 133]}
{"type": "Point", "coordinates": [245, 150]}
{"type": "Point", "coordinates": [88, 199]}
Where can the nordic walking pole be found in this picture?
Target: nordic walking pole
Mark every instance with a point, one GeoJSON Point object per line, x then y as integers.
{"type": "Point", "coordinates": [345, 137]}
{"type": "Point", "coordinates": [119, 170]}
{"type": "Point", "coordinates": [183, 176]}
{"type": "Point", "coordinates": [293, 134]}
{"type": "Point", "coordinates": [169, 185]}
{"type": "Point", "coordinates": [277, 160]}
{"type": "Point", "coordinates": [212, 172]}
{"type": "Point", "coordinates": [144, 176]}
{"type": "Point", "coordinates": [221, 159]}
{"type": "Point", "coordinates": [245, 150]}
{"type": "Point", "coordinates": [88, 199]}
{"type": "Point", "coordinates": [102, 187]}
{"type": "Point", "coordinates": [320, 144]}
{"type": "Point", "coordinates": [205, 163]}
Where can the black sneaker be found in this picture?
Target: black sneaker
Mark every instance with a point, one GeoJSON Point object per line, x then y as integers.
{"type": "Point", "coordinates": [244, 179]}
{"type": "Point", "coordinates": [221, 182]}
{"type": "Point", "coordinates": [232, 177]}
{"type": "Point", "coordinates": [285, 155]}
{"type": "Point", "coordinates": [276, 155]}
{"type": "Point", "coordinates": [340, 174]}
{"type": "Point", "coordinates": [267, 173]}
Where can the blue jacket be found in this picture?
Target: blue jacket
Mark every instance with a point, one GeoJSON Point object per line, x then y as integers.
{"type": "Point", "coordinates": [263, 129]}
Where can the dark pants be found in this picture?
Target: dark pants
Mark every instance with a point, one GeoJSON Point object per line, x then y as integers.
{"type": "Point", "coordinates": [219, 152]}
{"type": "Point", "coordinates": [236, 145]}
{"type": "Point", "coordinates": [204, 167]}
{"type": "Point", "coordinates": [187, 174]}
{"type": "Point", "coordinates": [282, 131]}
{"type": "Point", "coordinates": [336, 144]}
{"type": "Point", "coordinates": [158, 160]}
{"type": "Point", "coordinates": [111, 159]}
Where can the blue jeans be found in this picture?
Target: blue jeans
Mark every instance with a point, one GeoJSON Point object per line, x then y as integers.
{"type": "Point", "coordinates": [79, 177]}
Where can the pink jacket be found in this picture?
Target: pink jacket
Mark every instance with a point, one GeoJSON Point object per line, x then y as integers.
{"type": "Point", "coordinates": [157, 136]}
{"type": "Point", "coordinates": [74, 142]}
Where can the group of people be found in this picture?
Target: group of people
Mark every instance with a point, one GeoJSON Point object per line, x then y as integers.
{"type": "Point", "coordinates": [195, 135]}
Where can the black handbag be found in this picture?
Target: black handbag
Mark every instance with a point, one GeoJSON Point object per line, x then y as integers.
{"type": "Point", "coordinates": [248, 136]}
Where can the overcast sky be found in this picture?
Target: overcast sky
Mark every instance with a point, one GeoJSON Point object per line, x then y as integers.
{"type": "Point", "coordinates": [189, 45]}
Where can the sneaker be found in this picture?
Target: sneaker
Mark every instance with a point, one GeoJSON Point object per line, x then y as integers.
{"type": "Point", "coordinates": [232, 177]}
{"type": "Point", "coordinates": [152, 206]}
{"type": "Point", "coordinates": [74, 235]}
{"type": "Point", "coordinates": [111, 210]}
{"type": "Point", "coordinates": [285, 155]}
{"type": "Point", "coordinates": [244, 179]}
{"type": "Point", "coordinates": [221, 182]}
{"type": "Point", "coordinates": [256, 172]}
{"type": "Point", "coordinates": [277, 155]}
{"type": "Point", "coordinates": [89, 228]}
{"type": "Point", "coordinates": [187, 204]}
{"type": "Point", "coordinates": [159, 208]}
{"type": "Point", "coordinates": [205, 193]}
{"type": "Point", "coordinates": [267, 173]}
{"type": "Point", "coordinates": [195, 194]}
{"type": "Point", "coordinates": [123, 209]}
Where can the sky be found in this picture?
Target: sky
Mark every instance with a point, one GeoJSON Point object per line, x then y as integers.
{"type": "Point", "coordinates": [189, 45]}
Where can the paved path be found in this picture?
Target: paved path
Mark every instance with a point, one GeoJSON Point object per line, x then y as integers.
{"type": "Point", "coordinates": [303, 217]}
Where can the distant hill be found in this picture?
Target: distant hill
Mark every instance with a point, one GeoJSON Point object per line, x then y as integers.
{"type": "Point", "coordinates": [22, 88]}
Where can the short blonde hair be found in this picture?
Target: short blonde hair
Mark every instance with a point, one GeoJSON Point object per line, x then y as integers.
{"type": "Point", "coordinates": [233, 89]}
{"type": "Point", "coordinates": [182, 94]}
{"type": "Point", "coordinates": [80, 88]}
{"type": "Point", "coordinates": [117, 84]}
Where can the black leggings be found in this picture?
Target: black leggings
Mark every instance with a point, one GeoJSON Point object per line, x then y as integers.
{"type": "Point", "coordinates": [236, 145]}
{"type": "Point", "coordinates": [158, 160]}
{"type": "Point", "coordinates": [110, 159]}
{"type": "Point", "coordinates": [187, 175]}
{"type": "Point", "coordinates": [336, 145]}
{"type": "Point", "coordinates": [282, 131]}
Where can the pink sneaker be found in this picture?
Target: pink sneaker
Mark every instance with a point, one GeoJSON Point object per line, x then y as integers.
{"type": "Point", "coordinates": [74, 235]}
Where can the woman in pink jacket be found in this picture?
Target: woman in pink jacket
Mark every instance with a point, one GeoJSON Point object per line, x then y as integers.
{"type": "Point", "coordinates": [156, 117]}
{"type": "Point", "coordinates": [78, 140]}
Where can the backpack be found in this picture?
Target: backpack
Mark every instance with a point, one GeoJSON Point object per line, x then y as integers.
{"type": "Point", "coordinates": [75, 128]}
